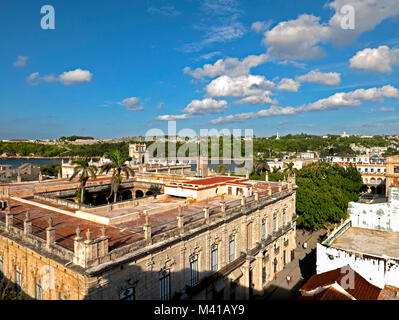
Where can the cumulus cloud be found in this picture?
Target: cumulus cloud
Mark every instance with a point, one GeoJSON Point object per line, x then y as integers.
{"type": "Point", "coordinates": [197, 107]}
{"type": "Point", "coordinates": [242, 86]}
{"type": "Point", "coordinates": [21, 61]}
{"type": "Point", "coordinates": [75, 76]}
{"type": "Point", "coordinates": [261, 26]}
{"type": "Point", "coordinates": [380, 59]}
{"type": "Point", "coordinates": [230, 66]}
{"type": "Point", "coordinates": [301, 38]}
{"type": "Point", "coordinates": [132, 104]}
{"type": "Point", "coordinates": [340, 99]}
{"type": "Point", "coordinates": [205, 106]}
{"type": "Point", "coordinates": [169, 117]}
{"type": "Point", "coordinates": [287, 84]}
{"type": "Point", "coordinates": [315, 76]}
{"type": "Point", "coordinates": [67, 78]}
{"type": "Point", "coordinates": [298, 39]}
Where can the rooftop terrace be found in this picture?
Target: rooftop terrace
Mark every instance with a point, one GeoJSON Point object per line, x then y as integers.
{"type": "Point", "coordinates": [384, 243]}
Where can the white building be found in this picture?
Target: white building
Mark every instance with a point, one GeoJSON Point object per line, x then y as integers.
{"type": "Point", "coordinates": [368, 241]}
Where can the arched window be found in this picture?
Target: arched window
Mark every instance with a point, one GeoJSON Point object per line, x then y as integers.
{"type": "Point", "coordinates": [214, 257]}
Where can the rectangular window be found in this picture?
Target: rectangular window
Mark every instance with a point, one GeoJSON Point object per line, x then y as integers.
{"type": "Point", "coordinates": [214, 257]}
{"type": "Point", "coordinates": [263, 274]}
{"type": "Point", "coordinates": [263, 229]}
{"type": "Point", "coordinates": [127, 294]}
{"type": "Point", "coordinates": [274, 222]}
{"type": "Point", "coordinates": [284, 217]}
{"type": "Point", "coordinates": [164, 284]}
{"type": "Point", "coordinates": [194, 270]}
{"type": "Point", "coordinates": [38, 289]}
{"type": "Point", "coordinates": [1, 267]}
{"type": "Point", "coordinates": [232, 248]}
{"type": "Point", "coordinates": [18, 278]}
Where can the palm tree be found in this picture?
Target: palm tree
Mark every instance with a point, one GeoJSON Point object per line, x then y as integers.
{"type": "Point", "coordinates": [118, 166]}
{"type": "Point", "coordinates": [261, 165]}
{"type": "Point", "coordinates": [222, 168]}
{"type": "Point", "coordinates": [85, 171]}
{"type": "Point", "coordinates": [290, 169]}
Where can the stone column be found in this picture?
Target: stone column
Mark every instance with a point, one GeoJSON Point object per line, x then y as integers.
{"type": "Point", "coordinates": [267, 177]}
{"type": "Point", "coordinates": [50, 235]}
{"type": "Point", "coordinates": [258, 281]}
{"type": "Point", "coordinates": [9, 219]}
{"type": "Point", "coordinates": [180, 220]}
{"type": "Point", "coordinates": [206, 214]}
{"type": "Point", "coordinates": [27, 224]}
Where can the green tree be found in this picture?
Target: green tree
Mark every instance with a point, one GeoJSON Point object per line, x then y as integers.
{"type": "Point", "coordinates": [118, 166]}
{"type": "Point", "coordinates": [324, 192]}
{"type": "Point", "coordinates": [222, 168]}
{"type": "Point", "coordinates": [85, 171]}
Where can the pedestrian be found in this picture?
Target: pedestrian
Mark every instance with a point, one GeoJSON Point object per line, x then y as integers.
{"type": "Point", "coordinates": [292, 278]}
{"type": "Point", "coordinates": [275, 276]}
{"type": "Point", "coordinates": [288, 279]}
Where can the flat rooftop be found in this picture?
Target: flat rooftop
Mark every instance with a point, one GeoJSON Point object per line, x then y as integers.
{"type": "Point", "coordinates": [369, 241]}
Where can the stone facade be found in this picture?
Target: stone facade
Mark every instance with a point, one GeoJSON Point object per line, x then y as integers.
{"type": "Point", "coordinates": [230, 252]}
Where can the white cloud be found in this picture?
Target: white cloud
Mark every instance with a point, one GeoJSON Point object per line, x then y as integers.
{"type": "Point", "coordinates": [298, 39]}
{"type": "Point", "coordinates": [67, 78]}
{"type": "Point", "coordinates": [385, 109]}
{"type": "Point", "coordinates": [220, 23]}
{"type": "Point", "coordinates": [340, 99]}
{"type": "Point", "coordinates": [21, 61]}
{"type": "Point", "coordinates": [168, 117]}
{"type": "Point", "coordinates": [315, 76]}
{"type": "Point", "coordinates": [230, 66]}
{"type": "Point", "coordinates": [75, 76]}
{"type": "Point", "coordinates": [261, 26]}
{"type": "Point", "coordinates": [33, 79]}
{"type": "Point", "coordinates": [287, 84]}
{"type": "Point", "coordinates": [205, 106]}
{"type": "Point", "coordinates": [242, 86]}
{"type": "Point", "coordinates": [167, 10]}
{"type": "Point", "coordinates": [301, 38]}
{"type": "Point", "coordinates": [132, 104]}
{"type": "Point", "coordinates": [380, 59]}
{"type": "Point", "coordinates": [195, 108]}
{"type": "Point", "coordinates": [262, 98]}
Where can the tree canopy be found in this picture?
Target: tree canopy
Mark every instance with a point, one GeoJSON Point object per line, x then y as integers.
{"type": "Point", "coordinates": [324, 192]}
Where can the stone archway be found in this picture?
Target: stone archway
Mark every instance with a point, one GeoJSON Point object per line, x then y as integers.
{"type": "Point", "coordinates": [139, 194]}
{"type": "Point", "coordinates": [127, 195]}
{"type": "Point", "coordinates": [149, 193]}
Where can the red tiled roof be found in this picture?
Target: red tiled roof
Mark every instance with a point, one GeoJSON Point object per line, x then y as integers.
{"type": "Point", "coordinates": [212, 180]}
{"type": "Point", "coordinates": [363, 290]}
{"type": "Point", "coordinates": [66, 226]}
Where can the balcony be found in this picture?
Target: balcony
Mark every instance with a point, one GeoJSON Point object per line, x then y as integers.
{"type": "Point", "coordinates": [276, 250]}
{"type": "Point", "coordinates": [286, 242]}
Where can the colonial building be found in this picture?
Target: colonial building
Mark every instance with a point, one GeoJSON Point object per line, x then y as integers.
{"type": "Point", "coordinates": [226, 246]}
{"type": "Point", "coordinates": [368, 241]}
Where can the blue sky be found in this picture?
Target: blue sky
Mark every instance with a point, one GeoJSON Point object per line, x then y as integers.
{"type": "Point", "coordinates": [119, 68]}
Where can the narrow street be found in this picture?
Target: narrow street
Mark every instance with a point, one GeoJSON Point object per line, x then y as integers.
{"type": "Point", "coordinates": [301, 269]}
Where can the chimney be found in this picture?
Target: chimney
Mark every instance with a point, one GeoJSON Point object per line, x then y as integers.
{"type": "Point", "coordinates": [256, 196]}
{"type": "Point", "coordinates": [50, 234]}
{"type": "Point", "coordinates": [19, 180]}
{"type": "Point", "coordinates": [40, 176]}
{"type": "Point", "coordinates": [27, 224]}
